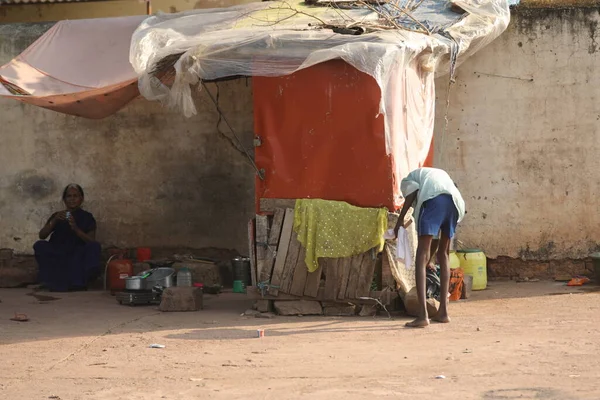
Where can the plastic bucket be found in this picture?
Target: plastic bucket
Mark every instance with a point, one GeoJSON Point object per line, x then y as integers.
{"type": "Point", "coordinates": [474, 263]}
{"type": "Point", "coordinates": [241, 270]}
{"type": "Point", "coordinates": [239, 287]}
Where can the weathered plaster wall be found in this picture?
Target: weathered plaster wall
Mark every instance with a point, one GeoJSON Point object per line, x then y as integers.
{"type": "Point", "coordinates": [151, 176]}
{"type": "Point", "coordinates": [14, 13]}
{"type": "Point", "coordinates": [523, 137]}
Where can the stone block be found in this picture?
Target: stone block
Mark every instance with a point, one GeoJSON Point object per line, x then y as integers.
{"type": "Point", "coordinates": [181, 299]}
{"type": "Point", "coordinates": [368, 310]}
{"type": "Point", "coordinates": [298, 307]}
{"type": "Point", "coordinates": [6, 254]}
{"type": "Point", "coordinates": [412, 304]}
{"type": "Point", "coordinates": [18, 272]}
{"type": "Point", "coordinates": [339, 309]}
{"type": "Point", "coordinates": [263, 305]}
{"type": "Point", "coordinates": [206, 273]}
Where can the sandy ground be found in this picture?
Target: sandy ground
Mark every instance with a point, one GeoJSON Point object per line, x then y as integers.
{"type": "Point", "coordinates": [525, 341]}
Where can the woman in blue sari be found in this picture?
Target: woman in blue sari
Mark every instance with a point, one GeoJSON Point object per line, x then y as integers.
{"type": "Point", "coordinates": [70, 259]}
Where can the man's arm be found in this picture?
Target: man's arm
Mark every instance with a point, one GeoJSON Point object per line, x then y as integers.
{"type": "Point", "coordinates": [408, 202]}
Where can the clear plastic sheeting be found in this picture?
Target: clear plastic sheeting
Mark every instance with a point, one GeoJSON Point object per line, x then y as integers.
{"type": "Point", "coordinates": [279, 38]}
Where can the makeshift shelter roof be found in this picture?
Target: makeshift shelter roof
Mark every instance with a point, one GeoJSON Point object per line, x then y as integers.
{"type": "Point", "coordinates": [77, 67]}
{"type": "Point", "coordinates": [280, 37]}
{"type": "Point", "coordinates": [80, 67]}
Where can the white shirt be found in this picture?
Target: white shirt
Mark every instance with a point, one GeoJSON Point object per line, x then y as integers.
{"type": "Point", "coordinates": [431, 182]}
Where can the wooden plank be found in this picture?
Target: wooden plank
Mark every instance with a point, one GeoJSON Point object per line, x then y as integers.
{"type": "Point", "coordinates": [282, 251]}
{"type": "Point", "coordinates": [313, 279]}
{"type": "Point", "coordinates": [262, 229]}
{"type": "Point", "coordinates": [271, 205]}
{"type": "Point", "coordinates": [252, 249]}
{"type": "Point", "coordinates": [355, 264]}
{"type": "Point", "coordinates": [366, 275]}
{"type": "Point", "coordinates": [291, 262]}
{"type": "Point", "coordinates": [298, 283]}
{"type": "Point", "coordinates": [386, 297]}
{"type": "Point", "coordinates": [273, 241]}
{"type": "Point", "coordinates": [332, 279]}
{"type": "Point", "coordinates": [344, 274]}
{"type": "Point", "coordinates": [254, 294]}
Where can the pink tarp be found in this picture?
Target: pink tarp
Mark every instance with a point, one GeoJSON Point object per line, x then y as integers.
{"type": "Point", "coordinates": [78, 67]}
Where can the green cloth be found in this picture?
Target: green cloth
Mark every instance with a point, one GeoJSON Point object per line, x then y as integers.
{"type": "Point", "coordinates": [335, 229]}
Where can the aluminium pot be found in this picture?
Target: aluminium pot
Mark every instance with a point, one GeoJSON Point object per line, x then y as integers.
{"type": "Point", "coordinates": [134, 283]}
{"type": "Point", "coordinates": [162, 276]}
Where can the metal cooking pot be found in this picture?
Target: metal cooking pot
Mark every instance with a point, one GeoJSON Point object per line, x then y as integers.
{"type": "Point", "coordinates": [162, 276]}
{"type": "Point", "coordinates": [134, 283]}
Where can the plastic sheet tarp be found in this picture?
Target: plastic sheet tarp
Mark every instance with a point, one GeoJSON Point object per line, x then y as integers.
{"type": "Point", "coordinates": [77, 67]}
{"type": "Point", "coordinates": [278, 38]}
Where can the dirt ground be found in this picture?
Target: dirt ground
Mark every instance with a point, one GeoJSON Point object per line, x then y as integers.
{"type": "Point", "coordinates": [514, 340]}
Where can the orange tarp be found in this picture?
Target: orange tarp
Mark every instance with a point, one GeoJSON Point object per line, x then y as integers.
{"type": "Point", "coordinates": [323, 137]}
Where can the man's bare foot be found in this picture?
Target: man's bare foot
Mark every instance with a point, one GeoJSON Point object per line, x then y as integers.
{"type": "Point", "coordinates": [418, 323]}
{"type": "Point", "coordinates": [443, 319]}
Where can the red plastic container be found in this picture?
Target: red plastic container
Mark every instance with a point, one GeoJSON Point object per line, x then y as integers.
{"type": "Point", "coordinates": [143, 254]}
{"type": "Point", "coordinates": [118, 270]}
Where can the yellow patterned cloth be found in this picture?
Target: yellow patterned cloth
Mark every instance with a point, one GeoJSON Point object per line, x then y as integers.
{"type": "Point", "coordinates": [336, 229]}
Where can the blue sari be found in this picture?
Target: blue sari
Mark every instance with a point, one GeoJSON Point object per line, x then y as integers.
{"type": "Point", "coordinates": [66, 262]}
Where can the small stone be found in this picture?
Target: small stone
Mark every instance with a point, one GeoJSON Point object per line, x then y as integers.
{"type": "Point", "coordinates": [478, 329]}
{"type": "Point", "coordinates": [411, 303]}
{"type": "Point", "coordinates": [368, 310]}
{"type": "Point", "coordinates": [298, 307]}
{"type": "Point", "coordinates": [251, 313]}
{"type": "Point", "coordinates": [440, 377]}
{"type": "Point", "coordinates": [266, 315]}
{"type": "Point", "coordinates": [339, 309]}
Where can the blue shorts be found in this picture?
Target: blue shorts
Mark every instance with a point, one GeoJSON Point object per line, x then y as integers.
{"type": "Point", "coordinates": [438, 214]}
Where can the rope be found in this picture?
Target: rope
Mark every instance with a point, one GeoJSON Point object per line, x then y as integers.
{"type": "Point", "coordinates": [260, 173]}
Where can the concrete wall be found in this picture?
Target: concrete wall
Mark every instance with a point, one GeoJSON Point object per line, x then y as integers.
{"type": "Point", "coordinates": [523, 137]}
{"type": "Point", "coordinates": [151, 176]}
{"type": "Point", "coordinates": [40, 12]}
{"type": "Point", "coordinates": [13, 13]}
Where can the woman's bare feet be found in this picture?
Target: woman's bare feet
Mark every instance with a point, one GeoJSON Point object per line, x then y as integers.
{"type": "Point", "coordinates": [418, 323]}
{"type": "Point", "coordinates": [443, 319]}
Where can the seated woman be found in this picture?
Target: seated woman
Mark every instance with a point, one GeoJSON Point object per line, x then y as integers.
{"type": "Point", "coordinates": [71, 258]}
